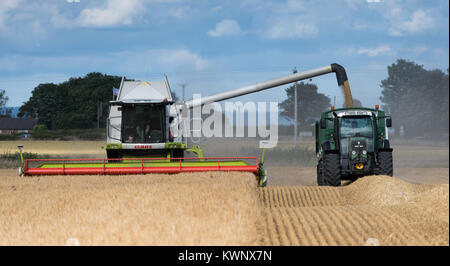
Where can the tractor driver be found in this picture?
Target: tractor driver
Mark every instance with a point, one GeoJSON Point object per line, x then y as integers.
{"type": "Point", "coordinates": [142, 123]}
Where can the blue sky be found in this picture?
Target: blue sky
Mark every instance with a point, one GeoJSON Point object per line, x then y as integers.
{"type": "Point", "coordinates": [218, 45]}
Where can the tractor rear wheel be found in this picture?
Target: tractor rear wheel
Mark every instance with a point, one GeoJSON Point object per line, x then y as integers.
{"type": "Point", "coordinates": [331, 172]}
{"type": "Point", "coordinates": [385, 163]}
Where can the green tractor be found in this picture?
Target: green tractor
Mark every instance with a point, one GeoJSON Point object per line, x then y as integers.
{"type": "Point", "coordinates": [351, 143]}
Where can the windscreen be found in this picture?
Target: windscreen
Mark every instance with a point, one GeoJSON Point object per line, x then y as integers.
{"type": "Point", "coordinates": [143, 124]}
{"type": "Point", "coordinates": [355, 127]}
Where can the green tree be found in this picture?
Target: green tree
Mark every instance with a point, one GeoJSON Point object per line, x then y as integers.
{"type": "Point", "coordinates": [417, 98]}
{"type": "Point", "coordinates": [310, 103]}
{"type": "Point", "coordinates": [71, 104]}
{"type": "Point", "coordinates": [4, 112]}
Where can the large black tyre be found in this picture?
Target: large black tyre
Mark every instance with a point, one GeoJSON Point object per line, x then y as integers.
{"type": "Point", "coordinates": [177, 153]}
{"type": "Point", "coordinates": [320, 180]}
{"type": "Point", "coordinates": [113, 154]}
{"type": "Point", "coordinates": [385, 163]}
{"type": "Point", "coordinates": [263, 175]}
{"type": "Point", "coordinates": [331, 170]}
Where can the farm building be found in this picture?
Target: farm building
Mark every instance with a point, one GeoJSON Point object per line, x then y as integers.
{"type": "Point", "coordinates": [17, 125]}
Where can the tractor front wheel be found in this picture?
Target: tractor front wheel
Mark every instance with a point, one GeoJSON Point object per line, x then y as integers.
{"type": "Point", "coordinates": [331, 170]}
{"type": "Point", "coordinates": [385, 163]}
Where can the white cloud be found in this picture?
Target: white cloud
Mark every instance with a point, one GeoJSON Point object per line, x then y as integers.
{"type": "Point", "coordinates": [383, 49]}
{"type": "Point", "coordinates": [354, 4]}
{"type": "Point", "coordinates": [113, 13]}
{"type": "Point", "coordinates": [177, 12]}
{"type": "Point", "coordinates": [8, 4]}
{"type": "Point", "coordinates": [286, 28]}
{"type": "Point", "coordinates": [131, 62]}
{"type": "Point", "coordinates": [419, 21]}
{"type": "Point", "coordinates": [293, 6]}
{"type": "Point", "coordinates": [180, 58]}
{"type": "Point", "coordinates": [22, 24]}
{"type": "Point", "coordinates": [217, 8]}
{"type": "Point", "coordinates": [226, 27]}
{"type": "Point", "coordinates": [359, 26]}
{"type": "Point", "coordinates": [419, 50]}
{"type": "Point", "coordinates": [5, 7]}
{"type": "Point", "coordinates": [286, 19]}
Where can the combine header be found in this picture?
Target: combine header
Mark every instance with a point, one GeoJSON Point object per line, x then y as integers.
{"type": "Point", "coordinates": [124, 166]}
{"type": "Point", "coordinates": [138, 166]}
{"type": "Point", "coordinates": [146, 132]}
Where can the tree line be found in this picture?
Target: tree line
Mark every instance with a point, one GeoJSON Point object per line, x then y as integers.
{"type": "Point", "coordinates": [4, 111]}
{"type": "Point", "coordinates": [72, 104]}
{"type": "Point", "coordinates": [416, 98]}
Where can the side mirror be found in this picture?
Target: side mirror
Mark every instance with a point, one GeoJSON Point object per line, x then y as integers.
{"type": "Point", "coordinates": [388, 122]}
{"type": "Point", "coordinates": [323, 123]}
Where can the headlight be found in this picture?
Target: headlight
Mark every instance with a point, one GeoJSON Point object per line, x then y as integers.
{"type": "Point", "coordinates": [364, 152]}
{"type": "Point", "coordinates": [353, 152]}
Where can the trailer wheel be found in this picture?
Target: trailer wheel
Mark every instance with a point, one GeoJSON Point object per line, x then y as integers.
{"type": "Point", "coordinates": [331, 172]}
{"type": "Point", "coordinates": [385, 163]}
{"type": "Point", "coordinates": [320, 180]}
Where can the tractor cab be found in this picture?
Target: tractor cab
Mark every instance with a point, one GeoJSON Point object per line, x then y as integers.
{"type": "Point", "coordinates": [356, 141]}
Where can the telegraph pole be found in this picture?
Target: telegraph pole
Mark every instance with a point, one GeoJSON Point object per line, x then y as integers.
{"type": "Point", "coordinates": [182, 88]}
{"type": "Point", "coordinates": [295, 108]}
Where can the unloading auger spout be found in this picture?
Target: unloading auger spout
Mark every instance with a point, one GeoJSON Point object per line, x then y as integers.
{"type": "Point", "coordinates": [341, 77]}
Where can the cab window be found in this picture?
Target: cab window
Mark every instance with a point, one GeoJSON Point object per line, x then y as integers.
{"type": "Point", "coordinates": [143, 124]}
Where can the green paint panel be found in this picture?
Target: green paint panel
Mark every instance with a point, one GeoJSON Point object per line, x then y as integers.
{"type": "Point", "coordinates": [139, 164]}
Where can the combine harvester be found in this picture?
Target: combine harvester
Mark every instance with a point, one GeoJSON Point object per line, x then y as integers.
{"type": "Point", "coordinates": [144, 133]}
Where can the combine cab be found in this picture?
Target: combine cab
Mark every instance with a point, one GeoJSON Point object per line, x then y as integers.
{"type": "Point", "coordinates": [351, 143]}
{"type": "Point", "coordinates": [139, 122]}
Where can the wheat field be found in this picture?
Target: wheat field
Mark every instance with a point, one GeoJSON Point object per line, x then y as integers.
{"type": "Point", "coordinates": [218, 208]}
{"type": "Point", "coordinates": [384, 208]}
{"type": "Point", "coordinates": [56, 147]}
{"type": "Point", "coordinates": [184, 209]}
